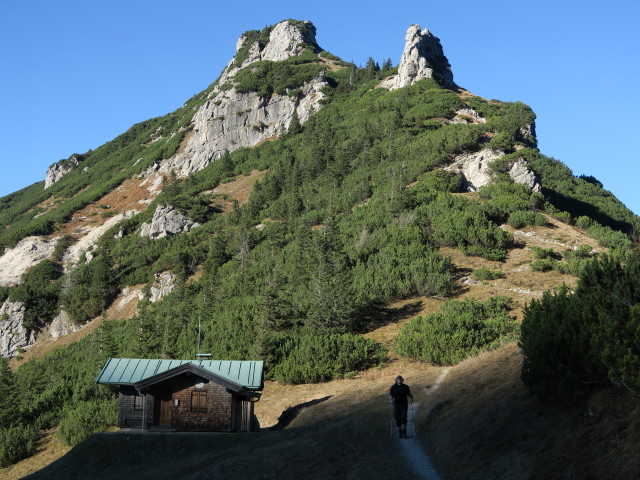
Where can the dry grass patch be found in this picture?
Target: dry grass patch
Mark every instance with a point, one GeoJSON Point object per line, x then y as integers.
{"type": "Point", "coordinates": [132, 194]}
{"type": "Point", "coordinates": [49, 450]}
{"type": "Point", "coordinates": [238, 190]}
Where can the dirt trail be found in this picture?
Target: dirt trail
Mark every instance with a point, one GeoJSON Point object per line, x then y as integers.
{"type": "Point", "coordinates": [415, 455]}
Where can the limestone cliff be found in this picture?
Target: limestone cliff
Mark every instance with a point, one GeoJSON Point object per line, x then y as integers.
{"type": "Point", "coordinates": [231, 119]}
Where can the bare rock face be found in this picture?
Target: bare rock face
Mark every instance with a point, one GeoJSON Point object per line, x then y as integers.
{"type": "Point", "coordinates": [468, 115]}
{"type": "Point", "coordinates": [62, 325]}
{"type": "Point", "coordinates": [162, 286]}
{"type": "Point", "coordinates": [167, 221]}
{"type": "Point", "coordinates": [13, 335]}
{"type": "Point", "coordinates": [287, 40]}
{"type": "Point", "coordinates": [24, 255]}
{"type": "Point", "coordinates": [520, 173]}
{"type": "Point", "coordinates": [423, 57]}
{"type": "Point", "coordinates": [230, 120]}
{"type": "Point", "coordinates": [59, 169]}
{"type": "Point", "coordinates": [474, 168]}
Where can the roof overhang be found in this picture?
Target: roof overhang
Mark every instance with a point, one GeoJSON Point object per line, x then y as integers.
{"type": "Point", "coordinates": [188, 368]}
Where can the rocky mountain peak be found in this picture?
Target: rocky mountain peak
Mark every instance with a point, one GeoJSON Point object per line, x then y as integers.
{"type": "Point", "coordinates": [279, 42]}
{"type": "Point", "coordinates": [286, 39]}
{"type": "Point", "coordinates": [234, 117]}
{"type": "Point", "coordinates": [422, 57]}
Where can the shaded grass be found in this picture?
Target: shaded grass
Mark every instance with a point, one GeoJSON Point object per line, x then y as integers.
{"type": "Point", "coordinates": [345, 437]}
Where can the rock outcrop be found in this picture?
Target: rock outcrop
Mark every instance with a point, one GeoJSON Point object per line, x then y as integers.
{"type": "Point", "coordinates": [59, 169]}
{"type": "Point", "coordinates": [468, 115]}
{"type": "Point", "coordinates": [162, 286]}
{"type": "Point", "coordinates": [520, 173]}
{"type": "Point", "coordinates": [13, 335]}
{"type": "Point", "coordinates": [230, 119]}
{"type": "Point", "coordinates": [28, 252]}
{"type": "Point", "coordinates": [422, 57]}
{"type": "Point", "coordinates": [62, 325]}
{"type": "Point", "coordinates": [167, 221]}
{"type": "Point", "coordinates": [475, 171]}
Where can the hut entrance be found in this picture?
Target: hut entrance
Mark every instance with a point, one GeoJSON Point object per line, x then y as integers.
{"type": "Point", "coordinates": [162, 410]}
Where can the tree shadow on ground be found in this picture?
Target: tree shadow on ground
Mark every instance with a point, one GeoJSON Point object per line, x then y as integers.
{"type": "Point", "coordinates": [292, 412]}
{"type": "Point", "coordinates": [380, 315]}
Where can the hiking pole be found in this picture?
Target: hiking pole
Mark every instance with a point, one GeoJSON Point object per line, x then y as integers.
{"type": "Point", "coordinates": [391, 422]}
{"type": "Point", "coordinates": [413, 419]}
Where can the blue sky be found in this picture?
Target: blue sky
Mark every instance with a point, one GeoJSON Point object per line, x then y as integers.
{"type": "Point", "coordinates": [75, 74]}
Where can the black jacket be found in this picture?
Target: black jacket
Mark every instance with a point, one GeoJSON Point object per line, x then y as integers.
{"type": "Point", "coordinates": [399, 393]}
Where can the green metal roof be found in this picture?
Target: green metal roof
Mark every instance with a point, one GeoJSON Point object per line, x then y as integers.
{"type": "Point", "coordinates": [127, 371]}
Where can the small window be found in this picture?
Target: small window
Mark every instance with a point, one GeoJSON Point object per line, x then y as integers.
{"type": "Point", "coordinates": [198, 401]}
{"type": "Point", "coordinates": [138, 402]}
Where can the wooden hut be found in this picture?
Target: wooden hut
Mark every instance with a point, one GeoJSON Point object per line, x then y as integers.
{"type": "Point", "coordinates": [185, 395]}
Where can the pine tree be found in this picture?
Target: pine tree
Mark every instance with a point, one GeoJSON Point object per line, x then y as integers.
{"type": "Point", "coordinates": [295, 126]}
{"type": "Point", "coordinates": [333, 306]}
{"type": "Point", "coordinates": [8, 401]}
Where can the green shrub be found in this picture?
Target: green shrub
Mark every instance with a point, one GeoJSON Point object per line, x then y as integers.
{"type": "Point", "coordinates": [583, 251]}
{"type": "Point", "coordinates": [309, 358]}
{"type": "Point", "coordinates": [267, 78]}
{"type": "Point", "coordinates": [609, 238]}
{"type": "Point", "coordinates": [461, 329]}
{"type": "Point", "coordinates": [495, 254]}
{"type": "Point", "coordinates": [543, 265]}
{"type": "Point", "coordinates": [523, 218]}
{"type": "Point", "coordinates": [441, 181]}
{"type": "Point", "coordinates": [562, 216]}
{"type": "Point", "coordinates": [487, 274]}
{"type": "Point", "coordinates": [61, 246]}
{"type": "Point", "coordinates": [542, 253]}
{"type": "Point", "coordinates": [17, 442]}
{"type": "Point", "coordinates": [584, 222]}
{"type": "Point", "coordinates": [80, 420]}
{"type": "Point", "coordinates": [39, 291]}
{"type": "Point", "coordinates": [574, 343]}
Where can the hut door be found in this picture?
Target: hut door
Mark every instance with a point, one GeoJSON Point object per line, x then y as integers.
{"type": "Point", "coordinates": [162, 413]}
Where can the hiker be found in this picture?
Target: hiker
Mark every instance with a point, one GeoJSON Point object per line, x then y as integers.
{"type": "Point", "coordinates": [398, 394]}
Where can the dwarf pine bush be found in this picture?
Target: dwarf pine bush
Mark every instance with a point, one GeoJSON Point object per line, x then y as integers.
{"type": "Point", "coordinates": [461, 329]}
{"type": "Point", "coordinates": [17, 442]}
{"type": "Point", "coordinates": [80, 420]}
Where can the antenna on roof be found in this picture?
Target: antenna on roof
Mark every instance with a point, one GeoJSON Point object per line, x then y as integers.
{"type": "Point", "coordinates": [201, 356]}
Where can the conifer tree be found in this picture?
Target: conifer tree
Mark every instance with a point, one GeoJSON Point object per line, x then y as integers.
{"type": "Point", "coordinates": [295, 126]}
{"type": "Point", "coordinates": [8, 403]}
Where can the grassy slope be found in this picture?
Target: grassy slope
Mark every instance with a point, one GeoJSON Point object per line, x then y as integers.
{"type": "Point", "coordinates": [480, 423]}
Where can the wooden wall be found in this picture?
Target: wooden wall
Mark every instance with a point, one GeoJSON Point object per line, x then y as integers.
{"type": "Point", "coordinates": [222, 412]}
{"type": "Point", "coordinates": [128, 416]}
{"type": "Point", "coordinates": [216, 418]}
